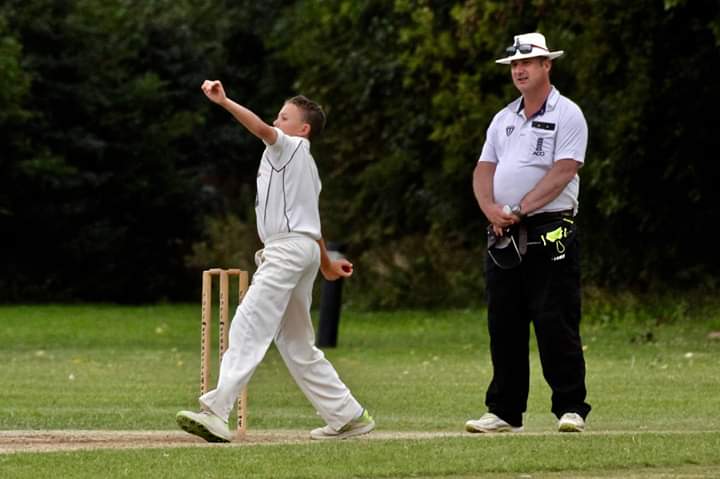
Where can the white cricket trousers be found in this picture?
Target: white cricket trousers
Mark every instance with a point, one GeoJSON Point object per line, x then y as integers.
{"type": "Point", "coordinates": [277, 307]}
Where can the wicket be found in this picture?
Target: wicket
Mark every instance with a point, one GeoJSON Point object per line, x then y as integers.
{"type": "Point", "coordinates": [224, 325]}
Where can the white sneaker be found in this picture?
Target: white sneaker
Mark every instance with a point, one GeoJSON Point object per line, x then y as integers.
{"type": "Point", "coordinates": [362, 425]}
{"type": "Point", "coordinates": [489, 422]}
{"type": "Point", "coordinates": [571, 422]}
{"type": "Point", "coordinates": [204, 424]}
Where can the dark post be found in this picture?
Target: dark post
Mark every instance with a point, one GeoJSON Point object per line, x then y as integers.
{"type": "Point", "coordinates": [330, 302]}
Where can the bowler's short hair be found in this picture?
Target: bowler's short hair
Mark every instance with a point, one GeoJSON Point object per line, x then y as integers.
{"type": "Point", "coordinates": [312, 112]}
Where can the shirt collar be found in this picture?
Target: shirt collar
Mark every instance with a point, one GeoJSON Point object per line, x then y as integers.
{"type": "Point", "coordinates": [548, 104]}
{"type": "Point", "coordinates": [541, 111]}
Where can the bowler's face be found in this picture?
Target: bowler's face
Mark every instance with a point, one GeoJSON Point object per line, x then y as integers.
{"type": "Point", "coordinates": [530, 74]}
{"type": "Point", "coordinates": [290, 121]}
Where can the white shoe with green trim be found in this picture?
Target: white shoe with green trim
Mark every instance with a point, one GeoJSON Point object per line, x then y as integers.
{"type": "Point", "coordinates": [362, 425]}
{"type": "Point", "coordinates": [204, 424]}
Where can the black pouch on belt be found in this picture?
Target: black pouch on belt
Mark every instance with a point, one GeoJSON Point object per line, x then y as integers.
{"type": "Point", "coordinates": [507, 250]}
{"type": "Point", "coordinates": [554, 236]}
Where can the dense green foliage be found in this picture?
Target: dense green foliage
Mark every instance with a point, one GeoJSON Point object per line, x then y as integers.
{"type": "Point", "coordinates": [116, 175]}
{"type": "Point", "coordinates": [110, 155]}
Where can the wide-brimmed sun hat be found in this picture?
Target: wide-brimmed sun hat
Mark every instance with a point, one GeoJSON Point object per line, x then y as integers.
{"type": "Point", "coordinates": [528, 45]}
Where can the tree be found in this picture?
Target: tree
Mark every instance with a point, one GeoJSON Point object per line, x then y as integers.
{"type": "Point", "coordinates": [412, 87]}
{"type": "Point", "coordinates": [117, 160]}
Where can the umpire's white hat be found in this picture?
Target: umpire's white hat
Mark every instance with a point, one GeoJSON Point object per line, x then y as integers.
{"type": "Point", "coordinates": [528, 45]}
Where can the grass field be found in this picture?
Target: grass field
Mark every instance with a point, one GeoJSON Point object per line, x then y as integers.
{"type": "Point", "coordinates": [652, 380]}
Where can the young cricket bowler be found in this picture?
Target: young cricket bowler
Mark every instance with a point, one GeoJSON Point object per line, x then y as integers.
{"type": "Point", "coordinates": [277, 304]}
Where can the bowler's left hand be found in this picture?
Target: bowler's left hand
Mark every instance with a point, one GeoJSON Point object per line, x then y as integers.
{"type": "Point", "coordinates": [339, 268]}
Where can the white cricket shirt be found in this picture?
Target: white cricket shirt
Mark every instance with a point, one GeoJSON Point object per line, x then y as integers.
{"type": "Point", "coordinates": [524, 149]}
{"type": "Point", "coordinates": [288, 189]}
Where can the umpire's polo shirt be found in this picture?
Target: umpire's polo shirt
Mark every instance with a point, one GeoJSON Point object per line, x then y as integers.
{"type": "Point", "coordinates": [524, 149]}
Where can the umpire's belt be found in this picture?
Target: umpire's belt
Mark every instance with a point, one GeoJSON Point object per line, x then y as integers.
{"type": "Point", "coordinates": [531, 222]}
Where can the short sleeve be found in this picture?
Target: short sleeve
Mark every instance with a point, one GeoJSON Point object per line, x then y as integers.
{"type": "Point", "coordinates": [572, 136]}
{"type": "Point", "coordinates": [489, 149]}
{"type": "Point", "coordinates": [283, 150]}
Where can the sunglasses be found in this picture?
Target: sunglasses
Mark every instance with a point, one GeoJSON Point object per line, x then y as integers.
{"type": "Point", "coordinates": [522, 48]}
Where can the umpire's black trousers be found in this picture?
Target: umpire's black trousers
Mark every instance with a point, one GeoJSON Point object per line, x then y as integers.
{"type": "Point", "coordinates": [543, 290]}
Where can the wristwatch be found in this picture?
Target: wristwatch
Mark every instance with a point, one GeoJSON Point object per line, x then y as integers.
{"type": "Point", "coordinates": [517, 211]}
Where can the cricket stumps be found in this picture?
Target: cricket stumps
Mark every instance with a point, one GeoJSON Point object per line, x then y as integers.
{"type": "Point", "coordinates": [224, 276]}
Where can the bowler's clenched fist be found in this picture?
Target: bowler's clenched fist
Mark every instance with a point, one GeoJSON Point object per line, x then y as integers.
{"type": "Point", "coordinates": [213, 90]}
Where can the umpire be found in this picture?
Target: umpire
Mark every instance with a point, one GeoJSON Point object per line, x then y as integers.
{"type": "Point", "coordinates": [526, 184]}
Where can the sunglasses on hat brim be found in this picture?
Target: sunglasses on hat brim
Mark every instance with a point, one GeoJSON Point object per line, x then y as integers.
{"type": "Point", "coordinates": [522, 48]}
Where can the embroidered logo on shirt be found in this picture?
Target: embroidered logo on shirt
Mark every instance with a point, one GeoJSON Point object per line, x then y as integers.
{"type": "Point", "coordinates": [538, 148]}
{"type": "Point", "coordinates": [509, 130]}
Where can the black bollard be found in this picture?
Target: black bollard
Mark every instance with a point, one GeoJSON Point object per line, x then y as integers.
{"type": "Point", "coordinates": [330, 303]}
